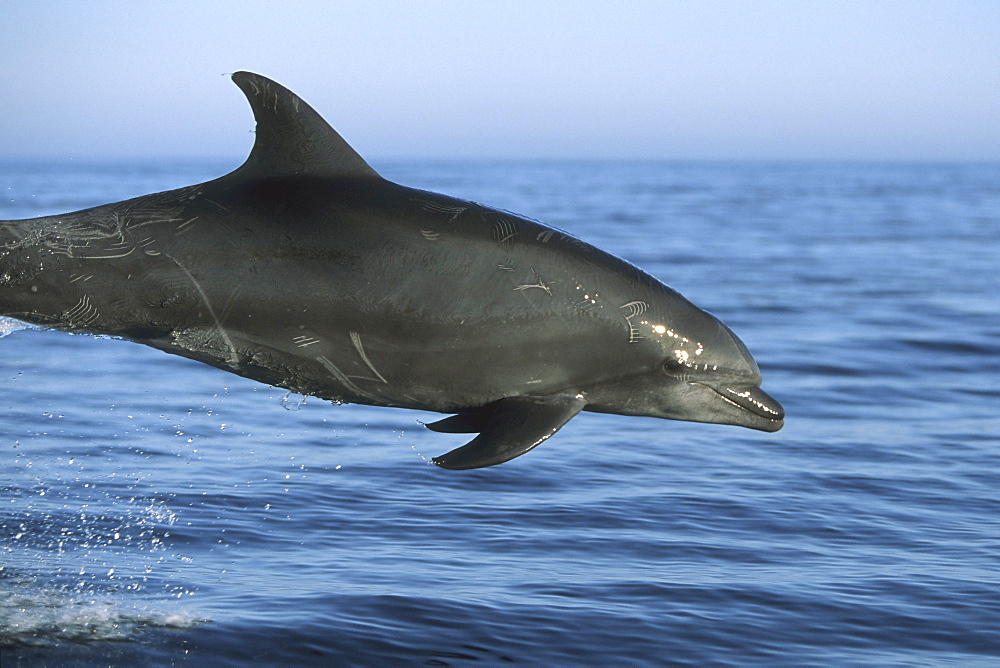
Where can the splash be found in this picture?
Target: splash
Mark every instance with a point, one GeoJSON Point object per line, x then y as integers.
{"type": "Point", "coordinates": [9, 326]}
{"type": "Point", "coordinates": [293, 401]}
{"type": "Point", "coordinates": [82, 562]}
{"type": "Point", "coordinates": [31, 616]}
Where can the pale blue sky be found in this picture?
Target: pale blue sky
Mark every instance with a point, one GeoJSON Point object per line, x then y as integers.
{"type": "Point", "coordinates": [534, 78]}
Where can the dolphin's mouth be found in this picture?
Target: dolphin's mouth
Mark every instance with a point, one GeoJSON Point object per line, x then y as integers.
{"type": "Point", "coordinates": [767, 412]}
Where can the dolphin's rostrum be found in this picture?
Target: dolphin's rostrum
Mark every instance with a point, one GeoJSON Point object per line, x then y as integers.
{"type": "Point", "coordinates": [307, 270]}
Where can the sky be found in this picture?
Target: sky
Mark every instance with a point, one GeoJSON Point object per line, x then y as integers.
{"type": "Point", "coordinates": [710, 79]}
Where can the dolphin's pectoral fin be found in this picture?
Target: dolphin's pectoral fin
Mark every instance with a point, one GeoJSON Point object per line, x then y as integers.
{"type": "Point", "coordinates": [466, 423]}
{"type": "Point", "coordinates": [515, 425]}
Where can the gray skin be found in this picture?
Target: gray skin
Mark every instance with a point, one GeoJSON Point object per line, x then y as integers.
{"type": "Point", "coordinates": [306, 270]}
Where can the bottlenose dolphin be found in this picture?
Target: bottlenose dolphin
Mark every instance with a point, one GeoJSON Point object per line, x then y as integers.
{"type": "Point", "coordinates": [307, 270]}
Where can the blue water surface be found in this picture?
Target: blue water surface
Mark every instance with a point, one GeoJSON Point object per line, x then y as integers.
{"type": "Point", "coordinates": [159, 511]}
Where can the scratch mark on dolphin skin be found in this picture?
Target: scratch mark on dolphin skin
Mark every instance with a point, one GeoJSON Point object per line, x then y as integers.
{"type": "Point", "coordinates": [342, 378]}
{"type": "Point", "coordinates": [430, 235]}
{"type": "Point", "coordinates": [114, 256]}
{"type": "Point", "coordinates": [222, 207]}
{"type": "Point", "coordinates": [81, 315]}
{"type": "Point", "coordinates": [186, 225]}
{"type": "Point", "coordinates": [80, 277]}
{"type": "Point", "coordinates": [233, 355]}
{"type": "Point", "coordinates": [541, 285]}
{"type": "Point", "coordinates": [545, 236]}
{"type": "Point", "coordinates": [230, 302]}
{"type": "Point", "coordinates": [574, 242]}
{"type": "Point", "coordinates": [305, 341]}
{"type": "Point", "coordinates": [504, 231]}
{"type": "Point", "coordinates": [70, 236]}
{"type": "Point", "coordinates": [631, 310]}
{"type": "Point", "coordinates": [356, 340]}
{"type": "Point", "coordinates": [262, 92]}
{"type": "Point", "coordinates": [455, 211]}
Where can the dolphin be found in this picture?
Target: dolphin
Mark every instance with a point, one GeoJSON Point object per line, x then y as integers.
{"type": "Point", "coordinates": [307, 270]}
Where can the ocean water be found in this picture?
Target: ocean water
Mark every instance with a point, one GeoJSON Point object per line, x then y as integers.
{"type": "Point", "coordinates": [158, 511]}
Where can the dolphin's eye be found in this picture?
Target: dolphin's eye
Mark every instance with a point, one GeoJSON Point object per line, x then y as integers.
{"type": "Point", "coordinates": [674, 366]}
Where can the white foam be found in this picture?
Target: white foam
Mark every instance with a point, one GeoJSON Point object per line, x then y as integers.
{"type": "Point", "coordinates": [9, 326]}
{"type": "Point", "coordinates": [32, 616]}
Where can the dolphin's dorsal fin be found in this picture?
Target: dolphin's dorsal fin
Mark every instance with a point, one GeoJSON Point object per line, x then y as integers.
{"type": "Point", "coordinates": [292, 138]}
